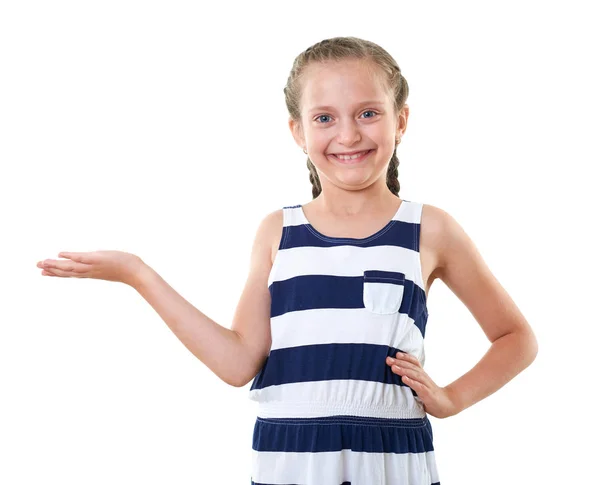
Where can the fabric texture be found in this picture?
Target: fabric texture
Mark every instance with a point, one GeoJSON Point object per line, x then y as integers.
{"type": "Point", "coordinates": [330, 409]}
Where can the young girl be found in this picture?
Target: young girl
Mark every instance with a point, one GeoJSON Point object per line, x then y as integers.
{"type": "Point", "coordinates": [330, 326]}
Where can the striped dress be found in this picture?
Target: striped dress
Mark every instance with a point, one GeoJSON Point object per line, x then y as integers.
{"type": "Point", "coordinates": [330, 409]}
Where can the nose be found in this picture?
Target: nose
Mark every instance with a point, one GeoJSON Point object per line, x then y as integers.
{"type": "Point", "coordinates": [349, 133]}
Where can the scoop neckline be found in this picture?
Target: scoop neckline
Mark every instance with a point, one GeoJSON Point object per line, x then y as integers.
{"type": "Point", "coordinates": [378, 233]}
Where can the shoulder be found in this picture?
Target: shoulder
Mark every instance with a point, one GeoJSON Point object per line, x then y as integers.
{"type": "Point", "coordinates": [462, 268]}
{"type": "Point", "coordinates": [454, 250]}
{"type": "Point", "coordinates": [268, 234]}
{"type": "Point", "coordinates": [433, 221]}
{"type": "Point", "coordinates": [272, 220]}
{"type": "Point", "coordinates": [442, 236]}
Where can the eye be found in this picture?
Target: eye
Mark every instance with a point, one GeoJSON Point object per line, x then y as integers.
{"type": "Point", "coordinates": [322, 116]}
{"type": "Point", "coordinates": [371, 111]}
{"type": "Point", "coordinates": [319, 118]}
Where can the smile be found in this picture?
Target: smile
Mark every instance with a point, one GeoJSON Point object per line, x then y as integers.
{"type": "Point", "coordinates": [359, 157]}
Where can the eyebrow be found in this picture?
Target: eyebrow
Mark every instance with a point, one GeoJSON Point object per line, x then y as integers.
{"type": "Point", "coordinates": [318, 108]}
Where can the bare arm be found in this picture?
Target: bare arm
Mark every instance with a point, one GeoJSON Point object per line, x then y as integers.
{"type": "Point", "coordinates": [507, 356]}
{"type": "Point", "coordinates": [234, 355]}
{"type": "Point", "coordinates": [514, 345]}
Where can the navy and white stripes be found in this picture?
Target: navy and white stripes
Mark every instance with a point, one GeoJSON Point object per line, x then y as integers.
{"type": "Point", "coordinates": [331, 411]}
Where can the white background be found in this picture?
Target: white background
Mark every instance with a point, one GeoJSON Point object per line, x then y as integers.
{"type": "Point", "coordinates": [160, 128]}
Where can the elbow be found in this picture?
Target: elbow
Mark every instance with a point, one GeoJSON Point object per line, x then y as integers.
{"type": "Point", "coordinates": [525, 345]}
{"type": "Point", "coordinates": [238, 380]}
{"type": "Point", "coordinates": [534, 349]}
{"type": "Point", "coordinates": [534, 345]}
{"type": "Point", "coordinates": [237, 383]}
{"type": "Point", "coordinates": [531, 346]}
{"type": "Point", "coordinates": [230, 382]}
{"type": "Point", "coordinates": [246, 370]}
{"type": "Point", "coordinates": [233, 381]}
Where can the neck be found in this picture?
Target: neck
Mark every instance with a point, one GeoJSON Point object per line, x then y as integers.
{"type": "Point", "coordinates": [342, 203]}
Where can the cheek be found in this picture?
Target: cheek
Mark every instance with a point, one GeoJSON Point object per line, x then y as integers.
{"type": "Point", "coordinates": [318, 140]}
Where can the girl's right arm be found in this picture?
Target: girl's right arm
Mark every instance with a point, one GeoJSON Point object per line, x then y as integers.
{"type": "Point", "coordinates": [235, 355]}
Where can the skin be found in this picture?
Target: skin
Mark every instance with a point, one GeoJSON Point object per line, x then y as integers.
{"type": "Point", "coordinates": [115, 266]}
{"type": "Point", "coordinates": [348, 191]}
{"type": "Point", "coordinates": [354, 196]}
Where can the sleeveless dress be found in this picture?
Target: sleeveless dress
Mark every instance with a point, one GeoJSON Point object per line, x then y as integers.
{"type": "Point", "coordinates": [330, 409]}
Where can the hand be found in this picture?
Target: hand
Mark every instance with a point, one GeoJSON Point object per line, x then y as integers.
{"type": "Point", "coordinates": [102, 265]}
{"type": "Point", "coordinates": [436, 400]}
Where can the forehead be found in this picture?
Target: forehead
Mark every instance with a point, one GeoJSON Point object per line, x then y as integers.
{"type": "Point", "coordinates": [341, 83]}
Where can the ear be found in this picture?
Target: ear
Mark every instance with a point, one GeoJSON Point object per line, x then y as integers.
{"type": "Point", "coordinates": [402, 121]}
{"type": "Point", "coordinates": [297, 132]}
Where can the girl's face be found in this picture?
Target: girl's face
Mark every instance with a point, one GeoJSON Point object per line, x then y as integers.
{"type": "Point", "coordinates": [346, 108]}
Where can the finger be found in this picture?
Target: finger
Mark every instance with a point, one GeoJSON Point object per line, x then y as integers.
{"type": "Point", "coordinates": [413, 368]}
{"type": "Point", "coordinates": [404, 356]}
{"type": "Point", "coordinates": [413, 362]}
{"type": "Point", "coordinates": [405, 370]}
{"type": "Point", "coordinates": [408, 357]}
{"type": "Point", "coordinates": [65, 272]}
{"type": "Point", "coordinates": [403, 362]}
{"type": "Point", "coordinates": [78, 257]}
{"type": "Point", "coordinates": [414, 374]}
{"type": "Point", "coordinates": [66, 266]}
{"type": "Point", "coordinates": [424, 391]}
{"type": "Point", "coordinates": [49, 272]}
{"type": "Point", "coordinates": [68, 255]}
{"type": "Point", "coordinates": [55, 272]}
{"type": "Point", "coordinates": [414, 384]}
{"type": "Point", "coordinates": [50, 264]}
{"type": "Point", "coordinates": [408, 378]}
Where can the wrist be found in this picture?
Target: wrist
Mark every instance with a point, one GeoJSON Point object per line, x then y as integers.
{"type": "Point", "coordinates": [455, 399]}
{"type": "Point", "coordinates": [140, 274]}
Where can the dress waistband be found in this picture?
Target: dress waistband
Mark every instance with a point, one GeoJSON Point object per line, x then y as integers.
{"type": "Point", "coordinates": [312, 409]}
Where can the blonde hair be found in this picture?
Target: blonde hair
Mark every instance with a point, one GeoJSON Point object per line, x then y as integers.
{"type": "Point", "coordinates": [338, 49]}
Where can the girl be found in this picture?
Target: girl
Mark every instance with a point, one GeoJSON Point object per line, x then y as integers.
{"type": "Point", "coordinates": [330, 326]}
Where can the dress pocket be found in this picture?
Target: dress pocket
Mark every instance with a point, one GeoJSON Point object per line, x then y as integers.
{"type": "Point", "coordinates": [383, 291]}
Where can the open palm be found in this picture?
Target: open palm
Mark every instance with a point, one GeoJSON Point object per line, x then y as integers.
{"type": "Point", "coordinates": [103, 265]}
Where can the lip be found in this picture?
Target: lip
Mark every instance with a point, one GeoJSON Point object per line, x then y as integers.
{"type": "Point", "coordinates": [351, 162]}
{"type": "Point", "coordinates": [350, 153]}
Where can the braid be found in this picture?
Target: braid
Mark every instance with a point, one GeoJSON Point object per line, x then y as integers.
{"type": "Point", "coordinates": [393, 182]}
{"type": "Point", "coordinates": [338, 49]}
{"type": "Point", "coordinates": [314, 178]}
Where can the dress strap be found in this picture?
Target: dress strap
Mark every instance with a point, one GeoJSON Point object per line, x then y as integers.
{"type": "Point", "coordinates": [293, 215]}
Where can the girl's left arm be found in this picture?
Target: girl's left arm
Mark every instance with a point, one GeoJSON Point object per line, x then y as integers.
{"type": "Point", "coordinates": [514, 345]}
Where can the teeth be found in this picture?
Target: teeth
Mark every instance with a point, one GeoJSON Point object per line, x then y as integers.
{"type": "Point", "coordinates": [353, 157]}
